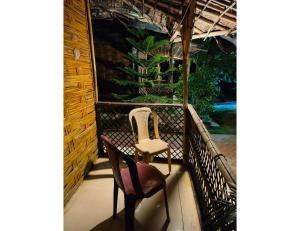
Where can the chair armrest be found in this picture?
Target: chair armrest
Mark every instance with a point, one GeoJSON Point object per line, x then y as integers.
{"type": "Point", "coordinates": [155, 124]}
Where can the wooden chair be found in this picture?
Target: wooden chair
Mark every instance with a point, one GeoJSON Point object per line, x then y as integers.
{"type": "Point", "coordinates": [137, 181]}
{"type": "Point", "coordinates": [143, 144]}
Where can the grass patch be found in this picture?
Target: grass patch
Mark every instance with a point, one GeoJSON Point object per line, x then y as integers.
{"type": "Point", "coordinates": [221, 130]}
{"type": "Point", "coordinates": [226, 120]}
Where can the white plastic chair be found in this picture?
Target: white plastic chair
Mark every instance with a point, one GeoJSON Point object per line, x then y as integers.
{"type": "Point", "coordinates": [143, 144]}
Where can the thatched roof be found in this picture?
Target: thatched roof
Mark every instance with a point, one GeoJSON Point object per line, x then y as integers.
{"type": "Point", "coordinates": [212, 17]}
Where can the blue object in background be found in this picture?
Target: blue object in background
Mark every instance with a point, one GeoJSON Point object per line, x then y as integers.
{"type": "Point", "coordinates": [225, 106]}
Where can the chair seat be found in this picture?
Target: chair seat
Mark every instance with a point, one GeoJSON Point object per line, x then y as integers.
{"type": "Point", "coordinates": [150, 178]}
{"type": "Point", "coordinates": [153, 146]}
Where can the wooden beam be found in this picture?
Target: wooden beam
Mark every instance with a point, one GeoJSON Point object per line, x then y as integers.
{"type": "Point", "coordinates": [132, 6]}
{"type": "Point", "coordinates": [218, 2]}
{"type": "Point", "coordinates": [174, 36]}
{"type": "Point", "coordinates": [218, 19]}
{"type": "Point", "coordinates": [186, 34]}
{"type": "Point", "coordinates": [210, 22]}
{"type": "Point", "coordinates": [217, 8]}
{"type": "Point", "coordinates": [203, 35]}
{"type": "Point", "coordinates": [90, 28]}
{"type": "Point", "coordinates": [179, 26]}
{"type": "Point", "coordinates": [216, 14]}
{"type": "Point", "coordinates": [204, 7]}
{"type": "Point", "coordinates": [197, 30]}
{"type": "Point", "coordinates": [165, 8]}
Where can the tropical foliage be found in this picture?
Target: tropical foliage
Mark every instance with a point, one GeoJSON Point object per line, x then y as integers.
{"type": "Point", "coordinates": [203, 84]}
{"type": "Point", "coordinates": [144, 69]}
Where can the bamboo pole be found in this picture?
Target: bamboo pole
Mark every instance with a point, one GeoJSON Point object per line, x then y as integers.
{"type": "Point", "coordinates": [216, 14]}
{"type": "Point", "coordinates": [92, 49]}
{"type": "Point", "coordinates": [218, 19]}
{"type": "Point", "coordinates": [214, 33]}
{"type": "Point", "coordinates": [218, 2]}
{"type": "Point", "coordinates": [186, 34]}
{"type": "Point", "coordinates": [210, 22]}
{"type": "Point", "coordinates": [218, 8]}
{"type": "Point", "coordinates": [200, 13]}
{"type": "Point", "coordinates": [171, 62]}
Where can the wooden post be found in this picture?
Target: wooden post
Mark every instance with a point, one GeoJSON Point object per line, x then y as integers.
{"type": "Point", "coordinates": [186, 35]}
{"type": "Point", "coordinates": [92, 49]}
{"type": "Point", "coordinates": [171, 65]}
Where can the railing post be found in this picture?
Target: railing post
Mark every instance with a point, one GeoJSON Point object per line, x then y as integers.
{"type": "Point", "coordinates": [186, 35]}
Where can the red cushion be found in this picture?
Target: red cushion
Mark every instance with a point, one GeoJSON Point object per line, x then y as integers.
{"type": "Point", "coordinates": [150, 179]}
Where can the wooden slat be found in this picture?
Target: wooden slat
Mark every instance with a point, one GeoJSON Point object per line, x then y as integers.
{"type": "Point", "coordinates": [203, 35]}
{"type": "Point", "coordinates": [222, 15]}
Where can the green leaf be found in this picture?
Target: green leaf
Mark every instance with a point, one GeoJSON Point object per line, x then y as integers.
{"type": "Point", "coordinates": [133, 58]}
{"type": "Point", "coordinates": [138, 33]}
{"type": "Point", "coordinates": [155, 60]}
{"type": "Point", "coordinates": [135, 44]}
{"type": "Point", "coordinates": [127, 83]}
{"type": "Point", "coordinates": [167, 72]}
{"type": "Point", "coordinates": [159, 44]}
{"type": "Point", "coordinates": [120, 97]}
{"type": "Point", "coordinates": [151, 99]}
{"type": "Point", "coordinates": [131, 72]}
{"type": "Point", "coordinates": [147, 44]}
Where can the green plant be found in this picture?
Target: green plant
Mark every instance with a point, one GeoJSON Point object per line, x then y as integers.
{"type": "Point", "coordinates": [202, 89]}
{"type": "Point", "coordinates": [203, 84]}
{"type": "Point", "coordinates": [145, 66]}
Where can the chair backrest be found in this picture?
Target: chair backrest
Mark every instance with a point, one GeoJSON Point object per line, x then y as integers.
{"type": "Point", "coordinates": [141, 116]}
{"type": "Point", "coordinates": [114, 155]}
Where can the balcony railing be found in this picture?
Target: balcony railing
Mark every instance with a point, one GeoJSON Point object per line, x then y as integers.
{"type": "Point", "coordinates": [213, 180]}
{"type": "Point", "coordinates": [112, 120]}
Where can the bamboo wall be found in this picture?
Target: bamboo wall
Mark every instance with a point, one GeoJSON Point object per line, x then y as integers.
{"type": "Point", "coordinates": [80, 140]}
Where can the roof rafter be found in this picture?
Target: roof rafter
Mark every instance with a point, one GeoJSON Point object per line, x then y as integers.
{"type": "Point", "coordinates": [218, 19]}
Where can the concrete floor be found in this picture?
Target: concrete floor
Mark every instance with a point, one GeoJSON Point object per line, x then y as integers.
{"type": "Point", "coordinates": [90, 208]}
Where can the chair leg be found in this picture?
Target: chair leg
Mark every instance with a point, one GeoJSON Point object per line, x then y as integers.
{"type": "Point", "coordinates": [115, 204]}
{"type": "Point", "coordinates": [129, 212]}
{"type": "Point", "coordinates": [169, 159]}
{"type": "Point", "coordinates": [136, 155]}
{"type": "Point", "coordinates": [146, 158]}
{"type": "Point", "coordinates": [166, 203]}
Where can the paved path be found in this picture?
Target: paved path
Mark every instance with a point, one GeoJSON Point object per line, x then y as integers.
{"type": "Point", "coordinates": [227, 145]}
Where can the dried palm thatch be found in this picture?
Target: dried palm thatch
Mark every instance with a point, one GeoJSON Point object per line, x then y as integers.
{"type": "Point", "coordinates": [80, 141]}
{"type": "Point", "coordinates": [212, 17]}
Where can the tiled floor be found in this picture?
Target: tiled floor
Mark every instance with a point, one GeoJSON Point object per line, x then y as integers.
{"type": "Point", "coordinates": [90, 208]}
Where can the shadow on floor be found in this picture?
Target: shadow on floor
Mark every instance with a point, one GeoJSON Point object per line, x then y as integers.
{"type": "Point", "coordinates": [119, 222]}
{"type": "Point", "coordinates": [98, 176]}
{"type": "Point", "coordinates": [102, 165]}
